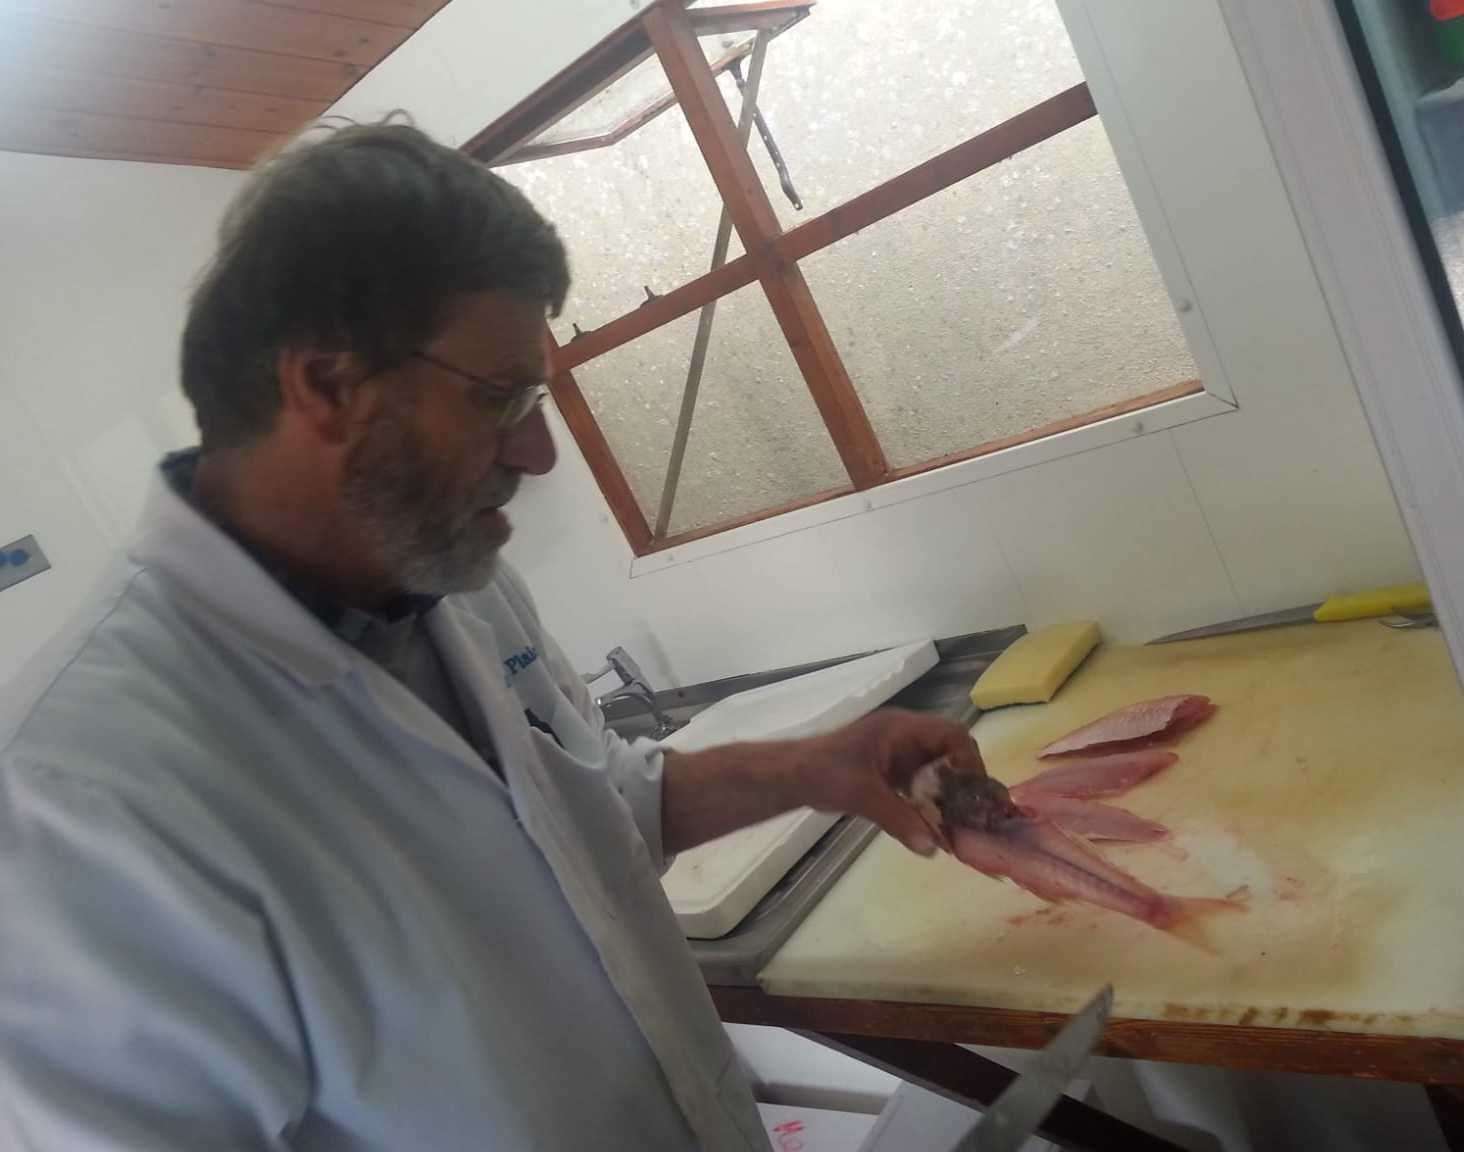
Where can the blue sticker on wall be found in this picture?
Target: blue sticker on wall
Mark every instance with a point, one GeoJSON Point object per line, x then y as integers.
{"type": "Point", "coordinates": [20, 560]}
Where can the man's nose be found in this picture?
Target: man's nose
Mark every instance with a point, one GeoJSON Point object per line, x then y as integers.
{"type": "Point", "coordinates": [528, 446]}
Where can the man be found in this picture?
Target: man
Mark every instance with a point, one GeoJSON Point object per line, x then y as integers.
{"type": "Point", "coordinates": [295, 853]}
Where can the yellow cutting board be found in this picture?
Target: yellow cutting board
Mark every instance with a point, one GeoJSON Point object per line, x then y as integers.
{"type": "Point", "coordinates": [1328, 790]}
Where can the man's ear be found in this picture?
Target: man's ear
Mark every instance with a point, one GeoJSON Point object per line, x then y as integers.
{"type": "Point", "coordinates": [324, 389]}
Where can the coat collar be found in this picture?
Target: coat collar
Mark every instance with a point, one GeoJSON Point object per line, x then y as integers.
{"type": "Point", "coordinates": [191, 554]}
{"type": "Point", "coordinates": [203, 563]}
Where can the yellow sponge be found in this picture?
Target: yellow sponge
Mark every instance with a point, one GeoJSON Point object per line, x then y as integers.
{"type": "Point", "coordinates": [1034, 668]}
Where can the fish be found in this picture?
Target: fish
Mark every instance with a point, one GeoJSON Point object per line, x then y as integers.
{"type": "Point", "coordinates": [1134, 726]}
{"type": "Point", "coordinates": [1088, 776]}
{"type": "Point", "coordinates": [946, 798]}
{"type": "Point", "coordinates": [1040, 857]}
{"type": "Point", "coordinates": [979, 823]}
{"type": "Point", "coordinates": [1090, 819]}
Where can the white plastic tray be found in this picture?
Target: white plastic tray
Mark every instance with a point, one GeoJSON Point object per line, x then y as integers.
{"type": "Point", "coordinates": [713, 887]}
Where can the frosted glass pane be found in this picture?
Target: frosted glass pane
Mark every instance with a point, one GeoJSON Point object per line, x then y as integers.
{"type": "Point", "coordinates": [863, 90]}
{"type": "Point", "coordinates": [634, 393]}
{"type": "Point", "coordinates": [610, 106]}
{"type": "Point", "coordinates": [639, 213]}
{"type": "Point", "coordinates": [643, 85]}
{"type": "Point", "coordinates": [756, 441]}
{"type": "Point", "coordinates": [1022, 296]}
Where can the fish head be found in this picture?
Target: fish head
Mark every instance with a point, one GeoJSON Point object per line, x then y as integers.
{"type": "Point", "coordinates": [948, 799]}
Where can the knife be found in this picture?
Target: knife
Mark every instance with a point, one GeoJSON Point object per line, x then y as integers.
{"type": "Point", "coordinates": [1026, 1101]}
{"type": "Point", "coordinates": [1400, 599]}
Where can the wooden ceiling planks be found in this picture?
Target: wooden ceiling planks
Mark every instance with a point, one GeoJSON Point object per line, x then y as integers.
{"type": "Point", "coordinates": [264, 27]}
{"type": "Point", "coordinates": [80, 48]}
{"type": "Point", "coordinates": [214, 82]}
{"type": "Point", "coordinates": [54, 91]}
{"type": "Point", "coordinates": [403, 13]}
{"type": "Point", "coordinates": [126, 138]}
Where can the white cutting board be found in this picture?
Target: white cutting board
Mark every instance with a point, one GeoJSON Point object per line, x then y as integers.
{"type": "Point", "coordinates": [1327, 791]}
{"type": "Point", "coordinates": [713, 887]}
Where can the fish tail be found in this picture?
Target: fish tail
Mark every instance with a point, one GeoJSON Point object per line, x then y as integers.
{"type": "Point", "coordinates": [1188, 917]}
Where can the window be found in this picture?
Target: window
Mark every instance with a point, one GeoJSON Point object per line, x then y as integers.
{"type": "Point", "coordinates": [924, 252]}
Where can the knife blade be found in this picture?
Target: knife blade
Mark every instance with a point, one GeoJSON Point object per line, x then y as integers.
{"type": "Point", "coordinates": [1396, 599]}
{"type": "Point", "coordinates": [1282, 619]}
{"type": "Point", "coordinates": [1026, 1101]}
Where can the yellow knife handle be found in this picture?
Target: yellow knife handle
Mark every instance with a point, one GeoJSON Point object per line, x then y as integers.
{"type": "Point", "coordinates": [1401, 599]}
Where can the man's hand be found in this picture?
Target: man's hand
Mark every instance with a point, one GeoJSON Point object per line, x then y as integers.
{"type": "Point", "coordinates": [858, 768]}
{"type": "Point", "coordinates": [855, 769]}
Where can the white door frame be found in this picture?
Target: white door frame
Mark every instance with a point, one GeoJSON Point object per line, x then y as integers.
{"type": "Point", "coordinates": [1327, 146]}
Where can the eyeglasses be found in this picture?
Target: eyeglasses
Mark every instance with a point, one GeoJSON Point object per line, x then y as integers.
{"type": "Point", "coordinates": [510, 404]}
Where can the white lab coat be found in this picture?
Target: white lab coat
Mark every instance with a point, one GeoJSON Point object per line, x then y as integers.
{"type": "Point", "coordinates": [196, 665]}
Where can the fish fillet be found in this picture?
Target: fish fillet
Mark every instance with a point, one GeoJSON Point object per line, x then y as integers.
{"type": "Point", "coordinates": [1091, 819]}
{"type": "Point", "coordinates": [1041, 858]}
{"type": "Point", "coordinates": [1141, 723]}
{"type": "Point", "coordinates": [981, 826]}
{"type": "Point", "coordinates": [1089, 776]}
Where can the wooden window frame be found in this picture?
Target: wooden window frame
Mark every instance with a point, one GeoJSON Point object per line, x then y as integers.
{"type": "Point", "coordinates": [669, 29]}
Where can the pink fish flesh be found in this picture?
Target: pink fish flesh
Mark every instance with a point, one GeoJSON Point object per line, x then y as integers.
{"type": "Point", "coordinates": [1091, 819]}
{"type": "Point", "coordinates": [979, 824]}
{"type": "Point", "coordinates": [1088, 776]}
{"type": "Point", "coordinates": [1047, 862]}
{"type": "Point", "coordinates": [1142, 723]}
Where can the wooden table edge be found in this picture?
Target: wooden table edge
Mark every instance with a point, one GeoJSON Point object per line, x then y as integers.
{"type": "Point", "coordinates": [1320, 1050]}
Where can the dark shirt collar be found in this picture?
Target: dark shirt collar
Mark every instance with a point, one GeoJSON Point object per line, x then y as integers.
{"type": "Point", "coordinates": [353, 625]}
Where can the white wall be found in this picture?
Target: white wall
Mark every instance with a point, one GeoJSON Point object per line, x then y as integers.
{"type": "Point", "coordinates": [97, 260]}
{"type": "Point", "coordinates": [476, 59]}
{"type": "Point", "coordinates": [1279, 503]}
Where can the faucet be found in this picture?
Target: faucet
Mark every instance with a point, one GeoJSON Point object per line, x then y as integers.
{"type": "Point", "coordinates": [633, 684]}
